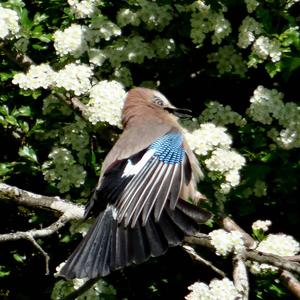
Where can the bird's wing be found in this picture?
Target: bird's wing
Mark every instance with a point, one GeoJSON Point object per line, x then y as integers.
{"type": "Point", "coordinates": [147, 181]}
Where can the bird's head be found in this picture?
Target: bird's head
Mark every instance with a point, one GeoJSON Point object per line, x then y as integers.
{"type": "Point", "coordinates": [155, 99]}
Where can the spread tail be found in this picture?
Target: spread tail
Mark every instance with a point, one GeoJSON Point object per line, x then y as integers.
{"type": "Point", "coordinates": [109, 246]}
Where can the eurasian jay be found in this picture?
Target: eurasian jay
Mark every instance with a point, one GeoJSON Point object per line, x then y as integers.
{"type": "Point", "coordinates": [148, 179]}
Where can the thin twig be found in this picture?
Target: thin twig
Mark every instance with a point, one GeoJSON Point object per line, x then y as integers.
{"type": "Point", "coordinates": [191, 251]}
{"type": "Point", "coordinates": [45, 254]}
{"type": "Point", "coordinates": [35, 233]}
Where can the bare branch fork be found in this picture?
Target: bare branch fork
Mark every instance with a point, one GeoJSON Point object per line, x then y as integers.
{"type": "Point", "coordinates": [68, 211]}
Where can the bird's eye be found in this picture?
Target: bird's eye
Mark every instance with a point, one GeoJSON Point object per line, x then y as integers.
{"type": "Point", "coordinates": [158, 101]}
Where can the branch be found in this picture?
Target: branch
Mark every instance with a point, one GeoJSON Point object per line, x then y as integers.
{"type": "Point", "coordinates": [240, 276]}
{"type": "Point", "coordinates": [291, 282]}
{"type": "Point", "coordinates": [271, 259]}
{"type": "Point", "coordinates": [13, 193]}
{"type": "Point", "coordinates": [228, 224]}
{"type": "Point", "coordinates": [20, 59]}
{"type": "Point", "coordinates": [35, 233]}
{"type": "Point", "coordinates": [191, 251]}
{"type": "Point", "coordinates": [32, 234]}
{"type": "Point", "coordinates": [69, 211]}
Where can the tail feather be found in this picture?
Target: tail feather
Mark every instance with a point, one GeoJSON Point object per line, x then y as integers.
{"type": "Point", "coordinates": [109, 246]}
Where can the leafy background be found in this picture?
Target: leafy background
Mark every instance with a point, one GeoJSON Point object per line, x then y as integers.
{"type": "Point", "coordinates": [31, 126]}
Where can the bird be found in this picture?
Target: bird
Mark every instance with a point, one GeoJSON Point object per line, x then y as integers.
{"type": "Point", "coordinates": [149, 182]}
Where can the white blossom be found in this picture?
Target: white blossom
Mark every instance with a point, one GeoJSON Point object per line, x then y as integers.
{"type": "Point", "coordinates": [36, 77]}
{"type": "Point", "coordinates": [71, 40]}
{"type": "Point", "coordinates": [216, 290]}
{"type": "Point", "coordinates": [278, 244]}
{"type": "Point", "coordinates": [9, 23]}
{"type": "Point", "coordinates": [207, 138]}
{"type": "Point", "coordinates": [83, 9]}
{"type": "Point", "coordinates": [248, 31]}
{"type": "Point", "coordinates": [75, 77]}
{"type": "Point", "coordinates": [265, 104]}
{"type": "Point", "coordinates": [228, 163]}
{"type": "Point", "coordinates": [106, 102]}
{"type": "Point", "coordinates": [261, 225]}
{"type": "Point", "coordinates": [226, 242]}
{"type": "Point", "coordinates": [264, 47]}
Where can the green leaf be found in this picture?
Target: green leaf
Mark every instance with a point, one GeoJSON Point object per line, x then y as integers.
{"type": "Point", "coordinates": [28, 153]}
{"type": "Point", "coordinates": [24, 126]}
{"type": "Point", "coordinates": [5, 76]}
{"type": "Point", "coordinates": [4, 110]}
{"type": "Point", "coordinates": [6, 168]}
{"type": "Point", "coordinates": [12, 120]}
{"type": "Point", "coordinates": [19, 258]}
{"type": "Point", "coordinates": [3, 272]}
{"type": "Point", "coordinates": [24, 111]}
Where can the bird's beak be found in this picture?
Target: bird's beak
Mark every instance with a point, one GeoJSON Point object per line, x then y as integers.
{"type": "Point", "coordinates": [180, 112]}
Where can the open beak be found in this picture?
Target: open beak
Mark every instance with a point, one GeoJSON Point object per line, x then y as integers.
{"type": "Point", "coordinates": [180, 112]}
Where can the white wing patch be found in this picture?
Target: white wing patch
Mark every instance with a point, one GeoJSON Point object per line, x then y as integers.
{"type": "Point", "coordinates": [131, 169]}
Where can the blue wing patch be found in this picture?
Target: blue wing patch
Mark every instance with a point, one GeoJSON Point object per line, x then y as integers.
{"type": "Point", "coordinates": [168, 148]}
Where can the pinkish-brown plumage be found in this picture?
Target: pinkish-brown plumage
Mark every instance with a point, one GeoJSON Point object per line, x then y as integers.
{"type": "Point", "coordinates": [147, 179]}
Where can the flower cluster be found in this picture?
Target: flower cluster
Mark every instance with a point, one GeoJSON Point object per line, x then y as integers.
{"type": "Point", "coordinates": [216, 290]}
{"type": "Point", "coordinates": [75, 77]}
{"type": "Point", "coordinates": [71, 40]}
{"type": "Point", "coordinates": [278, 244]}
{"type": "Point", "coordinates": [62, 171]}
{"type": "Point", "coordinates": [264, 47]}
{"type": "Point", "coordinates": [220, 115]}
{"type": "Point", "coordinates": [248, 31]}
{"type": "Point", "coordinates": [9, 23]}
{"type": "Point", "coordinates": [251, 5]}
{"type": "Point", "coordinates": [36, 77]}
{"type": "Point", "coordinates": [228, 163]}
{"type": "Point", "coordinates": [205, 20]}
{"type": "Point", "coordinates": [208, 137]}
{"type": "Point", "coordinates": [265, 104]}
{"type": "Point", "coordinates": [228, 61]}
{"type": "Point", "coordinates": [214, 143]}
{"type": "Point", "coordinates": [268, 104]}
{"type": "Point", "coordinates": [153, 15]}
{"type": "Point", "coordinates": [261, 225]}
{"type": "Point", "coordinates": [106, 102]}
{"type": "Point", "coordinates": [84, 8]}
{"type": "Point", "coordinates": [226, 242]}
